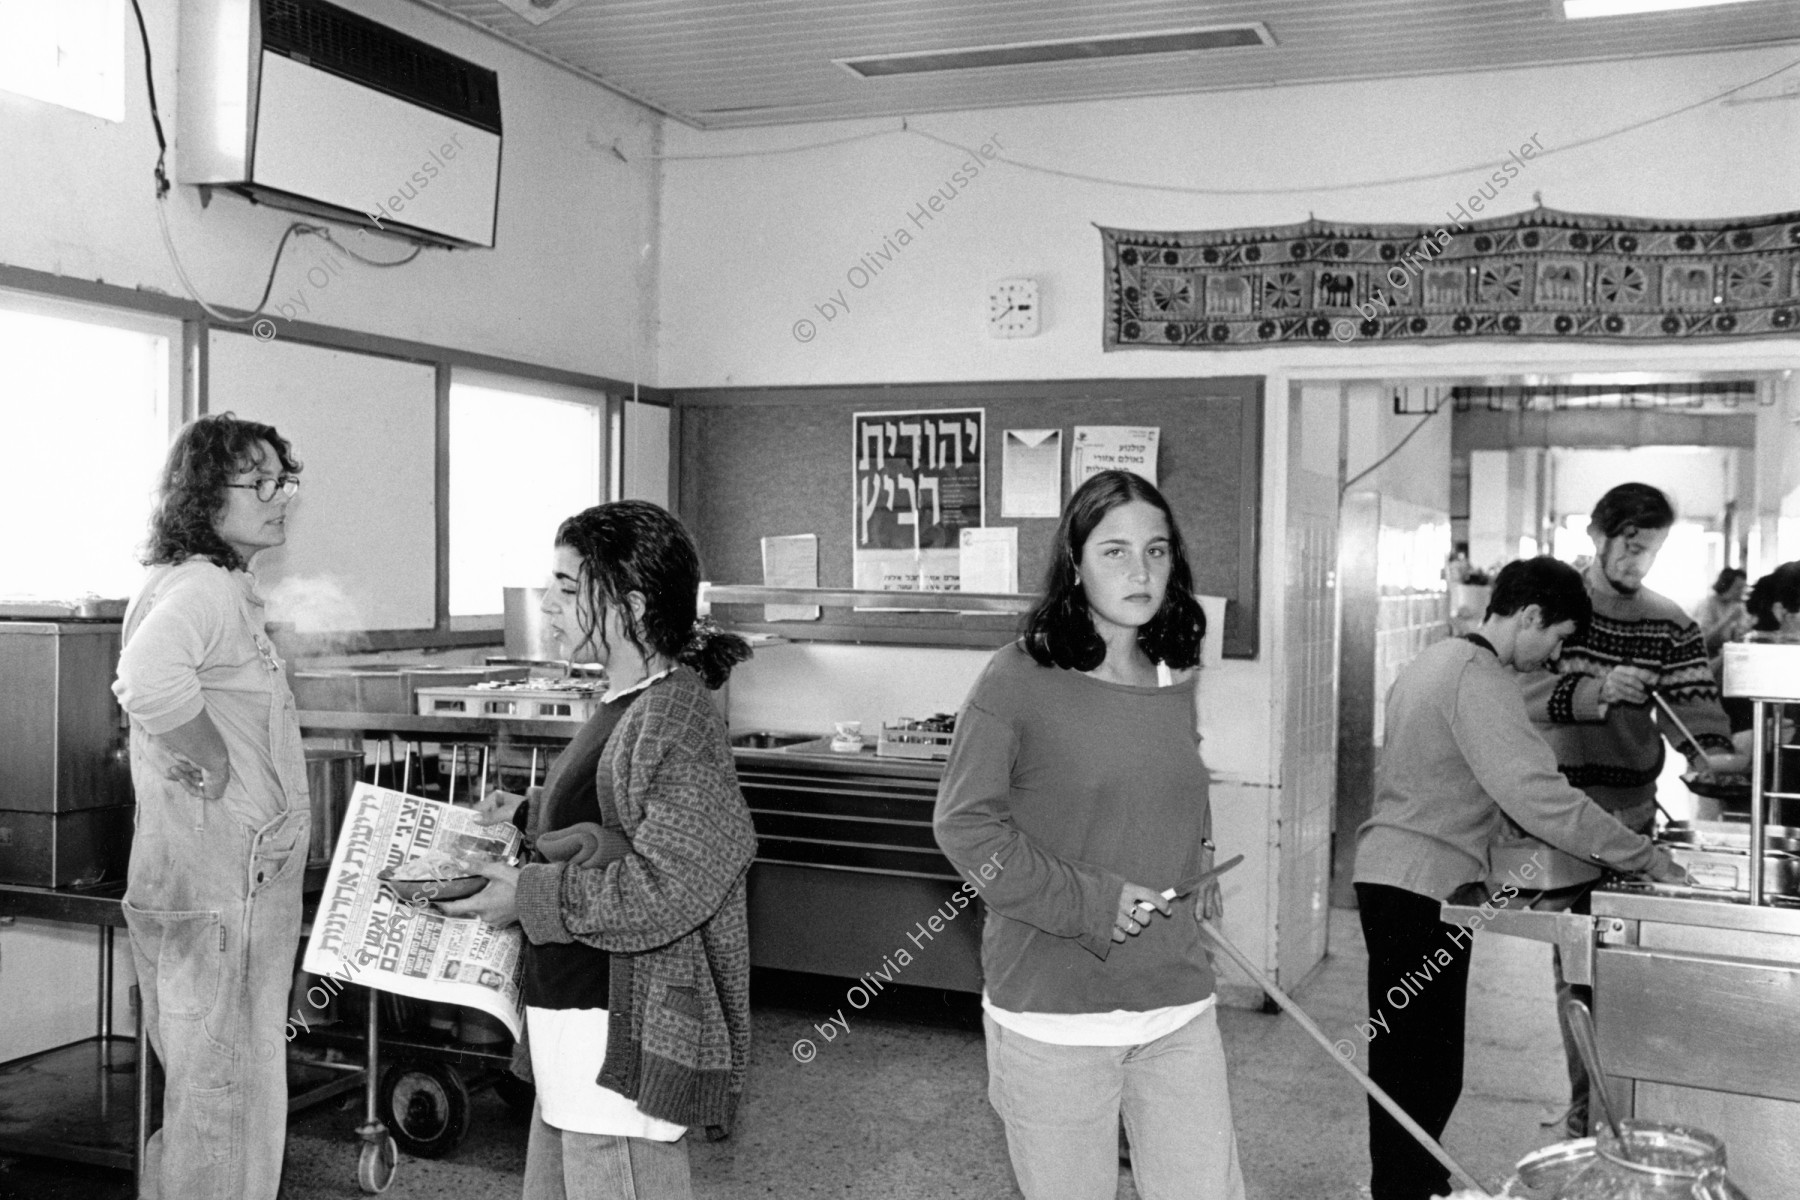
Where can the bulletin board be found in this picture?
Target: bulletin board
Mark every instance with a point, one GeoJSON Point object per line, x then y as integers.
{"type": "Point", "coordinates": [756, 462]}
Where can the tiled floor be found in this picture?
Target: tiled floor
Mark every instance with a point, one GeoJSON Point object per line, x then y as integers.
{"type": "Point", "coordinates": [896, 1108]}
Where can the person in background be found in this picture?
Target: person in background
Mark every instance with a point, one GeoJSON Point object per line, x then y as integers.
{"type": "Point", "coordinates": [1075, 786]}
{"type": "Point", "coordinates": [637, 968]}
{"type": "Point", "coordinates": [1461, 753]}
{"type": "Point", "coordinates": [1721, 614]}
{"type": "Point", "coordinates": [212, 898]}
{"type": "Point", "coordinates": [1595, 709]}
{"type": "Point", "coordinates": [1774, 611]}
{"type": "Point", "coordinates": [1774, 604]}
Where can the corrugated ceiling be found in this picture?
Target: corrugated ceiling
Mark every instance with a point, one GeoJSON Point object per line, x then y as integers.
{"type": "Point", "coordinates": [769, 62]}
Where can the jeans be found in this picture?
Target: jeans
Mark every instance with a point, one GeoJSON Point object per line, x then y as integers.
{"type": "Point", "coordinates": [1062, 1104]}
{"type": "Point", "coordinates": [214, 915]}
{"type": "Point", "coordinates": [1417, 1057]}
{"type": "Point", "coordinates": [560, 1165]}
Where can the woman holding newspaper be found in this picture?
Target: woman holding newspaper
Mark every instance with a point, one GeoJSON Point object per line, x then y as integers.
{"type": "Point", "coordinates": [637, 967]}
{"type": "Point", "coordinates": [213, 893]}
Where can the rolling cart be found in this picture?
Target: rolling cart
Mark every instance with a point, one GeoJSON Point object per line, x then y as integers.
{"type": "Point", "coordinates": [417, 1084]}
{"type": "Point", "coordinates": [417, 1088]}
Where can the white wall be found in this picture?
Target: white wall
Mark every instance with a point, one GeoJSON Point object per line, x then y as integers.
{"type": "Point", "coordinates": [1418, 471]}
{"type": "Point", "coordinates": [1490, 501]}
{"type": "Point", "coordinates": [1697, 479]}
{"type": "Point", "coordinates": [566, 286]}
{"type": "Point", "coordinates": [753, 244]}
{"type": "Point", "coordinates": [644, 463]}
{"type": "Point", "coordinates": [1778, 479]}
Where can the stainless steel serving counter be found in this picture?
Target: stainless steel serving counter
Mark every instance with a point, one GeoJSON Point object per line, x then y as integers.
{"type": "Point", "coordinates": [848, 870]}
{"type": "Point", "coordinates": [1697, 989]}
{"type": "Point", "coordinates": [1696, 1004]}
{"type": "Point", "coordinates": [816, 754]}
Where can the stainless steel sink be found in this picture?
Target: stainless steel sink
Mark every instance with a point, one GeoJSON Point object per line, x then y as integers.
{"type": "Point", "coordinates": [762, 739]}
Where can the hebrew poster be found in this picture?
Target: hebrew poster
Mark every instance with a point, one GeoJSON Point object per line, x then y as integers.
{"type": "Point", "coordinates": [920, 479]}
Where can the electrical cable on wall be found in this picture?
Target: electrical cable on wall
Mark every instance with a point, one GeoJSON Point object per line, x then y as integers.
{"type": "Point", "coordinates": [162, 192]}
{"type": "Point", "coordinates": [1377, 465]}
{"type": "Point", "coordinates": [1360, 185]}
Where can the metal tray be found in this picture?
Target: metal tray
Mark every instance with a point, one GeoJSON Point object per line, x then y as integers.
{"type": "Point", "coordinates": [1729, 870]}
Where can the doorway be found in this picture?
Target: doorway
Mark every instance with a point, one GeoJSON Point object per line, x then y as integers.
{"type": "Point", "coordinates": [1514, 470]}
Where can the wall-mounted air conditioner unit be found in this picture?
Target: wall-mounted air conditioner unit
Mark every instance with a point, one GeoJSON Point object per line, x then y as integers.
{"type": "Point", "coordinates": [305, 105]}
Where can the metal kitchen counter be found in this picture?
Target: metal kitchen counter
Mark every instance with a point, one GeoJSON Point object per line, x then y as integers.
{"type": "Point", "coordinates": [1696, 1005]}
{"type": "Point", "coordinates": [87, 1101]}
{"type": "Point", "coordinates": [817, 756]}
{"type": "Point", "coordinates": [462, 730]}
{"type": "Point", "coordinates": [847, 867]}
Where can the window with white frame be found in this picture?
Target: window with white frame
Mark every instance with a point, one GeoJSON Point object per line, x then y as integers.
{"type": "Point", "coordinates": [67, 52]}
{"type": "Point", "coordinates": [524, 456]}
{"type": "Point", "coordinates": [85, 421]}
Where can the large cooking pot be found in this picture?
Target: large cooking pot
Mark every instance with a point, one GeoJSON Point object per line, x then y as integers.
{"type": "Point", "coordinates": [1654, 1160]}
{"type": "Point", "coordinates": [330, 777]}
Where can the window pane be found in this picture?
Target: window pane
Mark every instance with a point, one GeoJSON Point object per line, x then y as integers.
{"type": "Point", "coordinates": [84, 425]}
{"type": "Point", "coordinates": [67, 52]}
{"type": "Point", "coordinates": [519, 465]}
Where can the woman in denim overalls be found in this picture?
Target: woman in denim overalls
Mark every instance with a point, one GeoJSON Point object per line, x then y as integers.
{"type": "Point", "coordinates": [213, 899]}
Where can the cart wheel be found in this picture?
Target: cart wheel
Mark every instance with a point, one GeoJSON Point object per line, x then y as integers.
{"type": "Point", "coordinates": [426, 1107]}
{"type": "Point", "coordinates": [516, 1094]}
{"type": "Point", "coordinates": [375, 1169]}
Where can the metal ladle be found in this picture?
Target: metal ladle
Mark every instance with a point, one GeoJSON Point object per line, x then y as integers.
{"type": "Point", "coordinates": [1581, 1028]}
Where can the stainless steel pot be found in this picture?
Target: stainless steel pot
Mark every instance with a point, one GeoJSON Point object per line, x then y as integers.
{"type": "Point", "coordinates": [330, 777]}
{"type": "Point", "coordinates": [1657, 1161]}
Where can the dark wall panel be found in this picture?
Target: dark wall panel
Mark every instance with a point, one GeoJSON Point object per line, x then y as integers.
{"type": "Point", "coordinates": [758, 462]}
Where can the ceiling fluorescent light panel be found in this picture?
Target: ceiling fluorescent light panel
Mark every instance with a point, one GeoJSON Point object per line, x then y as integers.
{"type": "Point", "coordinates": [539, 11]}
{"type": "Point", "coordinates": [1578, 10]}
{"type": "Point", "coordinates": [1085, 50]}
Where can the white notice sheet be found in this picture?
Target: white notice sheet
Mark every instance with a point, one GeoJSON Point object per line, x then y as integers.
{"type": "Point", "coordinates": [990, 560]}
{"type": "Point", "coordinates": [1031, 473]}
{"type": "Point", "coordinates": [791, 561]}
{"type": "Point", "coordinates": [1113, 447]}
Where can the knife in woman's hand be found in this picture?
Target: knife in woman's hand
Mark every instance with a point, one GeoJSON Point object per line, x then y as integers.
{"type": "Point", "coordinates": [1188, 887]}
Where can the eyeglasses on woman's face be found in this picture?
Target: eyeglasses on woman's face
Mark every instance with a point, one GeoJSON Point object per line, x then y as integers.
{"type": "Point", "coordinates": [266, 487]}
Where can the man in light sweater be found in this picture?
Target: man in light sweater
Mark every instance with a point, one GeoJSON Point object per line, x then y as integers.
{"type": "Point", "coordinates": [1595, 709]}
{"type": "Point", "coordinates": [1461, 753]}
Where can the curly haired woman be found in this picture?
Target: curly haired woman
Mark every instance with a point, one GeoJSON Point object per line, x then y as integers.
{"type": "Point", "coordinates": [213, 896]}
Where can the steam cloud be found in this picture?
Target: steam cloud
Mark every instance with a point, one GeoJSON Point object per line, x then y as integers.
{"type": "Point", "coordinates": [320, 610]}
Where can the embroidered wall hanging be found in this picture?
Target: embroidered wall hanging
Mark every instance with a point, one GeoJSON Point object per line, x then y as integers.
{"type": "Point", "coordinates": [1541, 275]}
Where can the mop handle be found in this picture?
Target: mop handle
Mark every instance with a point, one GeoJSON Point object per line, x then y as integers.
{"type": "Point", "coordinates": [1318, 1035]}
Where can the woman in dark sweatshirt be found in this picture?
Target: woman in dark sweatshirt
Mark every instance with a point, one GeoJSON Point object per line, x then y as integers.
{"type": "Point", "coordinates": [1076, 772]}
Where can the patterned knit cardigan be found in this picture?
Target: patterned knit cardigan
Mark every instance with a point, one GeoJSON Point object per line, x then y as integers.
{"type": "Point", "coordinates": [1616, 758]}
{"type": "Point", "coordinates": [672, 913]}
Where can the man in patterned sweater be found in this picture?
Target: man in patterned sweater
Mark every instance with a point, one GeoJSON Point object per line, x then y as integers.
{"type": "Point", "coordinates": [1595, 710]}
